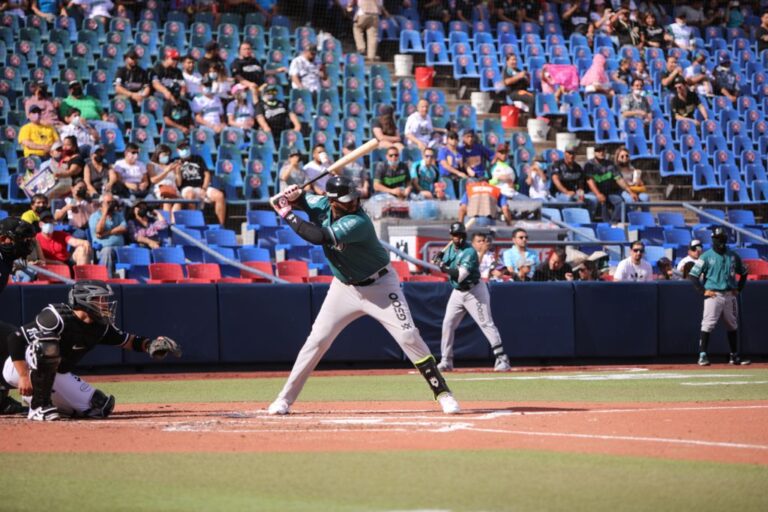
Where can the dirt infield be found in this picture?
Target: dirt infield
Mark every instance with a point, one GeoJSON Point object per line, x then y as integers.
{"type": "Point", "coordinates": [722, 431]}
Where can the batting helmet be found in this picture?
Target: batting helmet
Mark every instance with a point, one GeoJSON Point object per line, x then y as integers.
{"type": "Point", "coordinates": [719, 232]}
{"type": "Point", "coordinates": [22, 236]}
{"type": "Point", "coordinates": [96, 298]}
{"type": "Point", "coordinates": [340, 188]}
{"type": "Point", "coordinates": [458, 229]}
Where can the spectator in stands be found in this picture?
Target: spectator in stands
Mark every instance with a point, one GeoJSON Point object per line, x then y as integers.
{"type": "Point", "coordinates": [274, 116]}
{"type": "Point", "coordinates": [47, 9]}
{"type": "Point", "coordinates": [450, 163]}
{"type": "Point", "coordinates": [640, 70]}
{"type": "Point", "coordinates": [247, 70]}
{"type": "Point", "coordinates": [537, 181]}
{"type": "Point", "coordinates": [178, 114]}
{"type": "Point", "coordinates": [208, 109]}
{"type": "Point", "coordinates": [167, 79]}
{"type": "Point", "coordinates": [162, 176]}
{"type": "Point", "coordinates": [636, 103]}
{"type": "Point", "coordinates": [392, 177]}
{"type": "Point", "coordinates": [658, 10]}
{"type": "Point", "coordinates": [85, 134]}
{"type": "Point", "coordinates": [476, 157]}
{"type": "Point", "coordinates": [40, 98]}
{"type": "Point", "coordinates": [108, 227]}
{"type": "Point", "coordinates": [221, 82]}
{"type": "Point", "coordinates": [240, 111]}
{"type": "Point", "coordinates": [595, 79]}
{"type": "Point", "coordinates": [210, 59]}
{"type": "Point", "coordinates": [524, 272]}
{"type": "Point", "coordinates": [734, 17]}
{"type": "Point", "coordinates": [672, 72]}
{"type": "Point", "coordinates": [418, 126]}
{"type": "Point", "coordinates": [575, 19]}
{"type": "Point", "coordinates": [146, 226]}
{"type": "Point", "coordinates": [682, 34]}
{"type": "Point", "coordinates": [192, 78]}
{"type": "Point", "coordinates": [569, 181]}
{"type": "Point", "coordinates": [517, 82]}
{"type": "Point", "coordinates": [94, 8]}
{"type": "Point", "coordinates": [685, 103]}
{"type": "Point", "coordinates": [489, 262]}
{"type": "Point", "coordinates": [89, 107]}
{"type": "Point", "coordinates": [554, 268]}
{"type": "Point", "coordinates": [583, 271]}
{"type": "Point", "coordinates": [515, 256]}
{"type": "Point", "coordinates": [726, 82]}
{"type": "Point", "coordinates": [632, 177]}
{"type": "Point", "coordinates": [292, 172]}
{"type": "Point", "coordinates": [59, 247]}
{"type": "Point", "coordinates": [365, 25]}
{"type": "Point", "coordinates": [625, 30]}
{"type": "Point", "coordinates": [697, 75]}
{"type": "Point", "coordinates": [194, 181]}
{"type": "Point", "coordinates": [695, 248]}
{"type": "Point", "coordinates": [605, 182]}
{"type": "Point", "coordinates": [482, 201]}
{"type": "Point", "coordinates": [131, 174]}
{"type": "Point", "coordinates": [653, 35]}
{"type": "Point", "coordinates": [503, 176]}
{"type": "Point", "coordinates": [694, 14]}
{"type": "Point", "coordinates": [96, 174]}
{"type": "Point", "coordinates": [37, 205]}
{"type": "Point", "coordinates": [36, 138]}
{"type": "Point", "coordinates": [131, 81]}
{"type": "Point", "coordinates": [623, 74]}
{"type": "Point", "coordinates": [666, 270]}
{"type": "Point", "coordinates": [762, 33]}
{"type": "Point", "coordinates": [425, 174]}
{"type": "Point", "coordinates": [319, 163]}
{"type": "Point", "coordinates": [77, 209]}
{"type": "Point", "coordinates": [634, 267]}
{"type": "Point", "coordinates": [357, 174]}
{"type": "Point", "coordinates": [66, 165]}
{"type": "Point", "coordinates": [305, 72]}
{"type": "Point", "coordinates": [715, 12]}
{"type": "Point", "coordinates": [384, 129]}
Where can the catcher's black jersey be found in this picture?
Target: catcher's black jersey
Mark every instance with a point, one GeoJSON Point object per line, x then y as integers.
{"type": "Point", "coordinates": [76, 338]}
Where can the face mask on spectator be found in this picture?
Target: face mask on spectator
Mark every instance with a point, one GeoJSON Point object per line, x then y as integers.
{"type": "Point", "coordinates": [207, 91]}
{"type": "Point", "coordinates": [47, 228]}
{"type": "Point", "coordinates": [184, 153]}
{"type": "Point", "coordinates": [164, 159]}
{"type": "Point", "coordinates": [213, 75]}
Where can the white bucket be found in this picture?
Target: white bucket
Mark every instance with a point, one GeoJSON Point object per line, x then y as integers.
{"type": "Point", "coordinates": [481, 101]}
{"type": "Point", "coordinates": [563, 139]}
{"type": "Point", "coordinates": [538, 129]}
{"type": "Point", "coordinates": [403, 65]}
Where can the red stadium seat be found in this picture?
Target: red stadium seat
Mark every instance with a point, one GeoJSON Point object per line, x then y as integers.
{"type": "Point", "coordinates": [427, 279]}
{"type": "Point", "coordinates": [402, 268]}
{"type": "Point", "coordinates": [205, 271]}
{"type": "Point", "coordinates": [165, 273]}
{"type": "Point", "coordinates": [62, 270]}
{"type": "Point", "coordinates": [293, 279]}
{"type": "Point", "coordinates": [234, 280]}
{"type": "Point", "coordinates": [122, 281]}
{"type": "Point", "coordinates": [99, 272]}
{"type": "Point", "coordinates": [263, 266]}
{"type": "Point", "coordinates": [317, 279]}
{"type": "Point", "coordinates": [757, 267]}
{"type": "Point", "coordinates": [293, 268]}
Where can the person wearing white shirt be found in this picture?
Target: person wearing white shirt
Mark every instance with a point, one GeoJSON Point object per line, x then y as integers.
{"type": "Point", "coordinates": [681, 32]}
{"type": "Point", "coordinates": [95, 8]}
{"type": "Point", "coordinates": [319, 163]}
{"type": "Point", "coordinates": [418, 126]}
{"type": "Point", "coordinates": [305, 72]}
{"type": "Point", "coordinates": [634, 268]}
{"type": "Point", "coordinates": [208, 109]}
{"type": "Point", "coordinates": [695, 249]}
{"type": "Point", "coordinates": [192, 78]}
{"type": "Point", "coordinates": [697, 76]}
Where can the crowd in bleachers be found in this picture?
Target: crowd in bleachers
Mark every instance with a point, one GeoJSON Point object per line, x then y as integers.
{"type": "Point", "coordinates": [109, 106]}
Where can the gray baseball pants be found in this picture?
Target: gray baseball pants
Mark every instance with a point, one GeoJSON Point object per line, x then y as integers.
{"type": "Point", "coordinates": [383, 300]}
{"type": "Point", "coordinates": [477, 302]}
{"type": "Point", "coordinates": [723, 304]}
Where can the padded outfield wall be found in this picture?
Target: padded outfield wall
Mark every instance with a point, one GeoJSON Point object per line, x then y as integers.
{"type": "Point", "coordinates": [234, 323]}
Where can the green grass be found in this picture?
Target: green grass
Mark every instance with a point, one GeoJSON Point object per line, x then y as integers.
{"type": "Point", "coordinates": [458, 481]}
{"type": "Point", "coordinates": [518, 388]}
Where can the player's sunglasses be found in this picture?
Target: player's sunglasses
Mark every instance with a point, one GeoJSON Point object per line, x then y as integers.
{"type": "Point", "coordinates": [638, 250]}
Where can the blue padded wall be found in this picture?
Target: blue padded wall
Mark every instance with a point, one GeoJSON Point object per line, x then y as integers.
{"type": "Point", "coordinates": [10, 305]}
{"type": "Point", "coordinates": [679, 311]}
{"type": "Point", "coordinates": [754, 306]}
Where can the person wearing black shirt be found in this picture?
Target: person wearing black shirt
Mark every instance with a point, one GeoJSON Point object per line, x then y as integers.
{"type": "Point", "coordinates": [652, 33]}
{"type": "Point", "coordinates": [193, 179]}
{"type": "Point", "coordinates": [517, 81]}
{"type": "Point", "coordinates": [606, 183]}
{"type": "Point", "coordinates": [131, 80]}
{"type": "Point", "coordinates": [246, 69]}
{"type": "Point", "coordinates": [274, 116]}
{"type": "Point", "coordinates": [685, 102]}
{"type": "Point", "coordinates": [555, 268]}
{"type": "Point", "coordinates": [568, 182]}
{"type": "Point", "coordinates": [210, 58]}
{"type": "Point", "coordinates": [166, 77]}
{"type": "Point", "coordinates": [762, 33]}
{"type": "Point", "coordinates": [178, 115]}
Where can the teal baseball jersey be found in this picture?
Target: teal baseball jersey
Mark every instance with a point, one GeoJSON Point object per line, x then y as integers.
{"type": "Point", "coordinates": [719, 270]}
{"type": "Point", "coordinates": [357, 254]}
{"type": "Point", "coordinates": [463, 256]}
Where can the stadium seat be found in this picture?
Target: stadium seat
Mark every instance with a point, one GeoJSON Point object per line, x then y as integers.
{"type": "Point", "coordinates": [60, 270]}
{"type": "Point", "coordinates": [576, 216]}
{"type": "Point", "coordinates": [165, 273]}
{"type": "Point", "coordinates": [100, 272]}
{"type": "Point", "coordinates": [173, 254]}
{"type": "Point", "coordinates": [292, 268]}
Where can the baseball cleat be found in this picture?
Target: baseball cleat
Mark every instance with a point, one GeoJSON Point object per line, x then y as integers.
{"type": "Point", "coordinates": [10, 406]}
{"type": "Point", "coordinates": [45, 413]}
{"type": "Point", "coordinates": [279, 407]}
{"type": "Point", "coordinates": [449, 404]}
{"type": "Point", "coordinates": [703, 359]}
{"type": "Point", "coordinates": [502, 364]}
{"type": "Point", "coordinates": [445, 365]}
{"type": "Point", "coordinates": [736, 360]}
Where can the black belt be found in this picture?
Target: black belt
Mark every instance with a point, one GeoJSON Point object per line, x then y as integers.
{"type": "Point", "coordinates": [370, 280]}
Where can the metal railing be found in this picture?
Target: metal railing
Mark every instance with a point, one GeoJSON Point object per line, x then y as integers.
{"type": "Point", "coordinates": [729, 225]}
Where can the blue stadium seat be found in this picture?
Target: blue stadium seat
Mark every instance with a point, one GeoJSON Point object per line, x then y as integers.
{"type": "Point", "coordinates": [671, 164]}
{"type": "Point", "coordinates": [174, 254]}
{"type": "Point", "coordinates": [576, 216]}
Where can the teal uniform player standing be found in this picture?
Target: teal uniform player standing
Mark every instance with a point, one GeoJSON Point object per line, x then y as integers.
{"type": "Point", "coordinates": [714, 275]}
{"type": "Point", "coordinates": [364, 284]}
{"type": "Point", "coordinates": [470, 295]}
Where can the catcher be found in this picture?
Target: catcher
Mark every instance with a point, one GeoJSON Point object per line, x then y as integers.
{"type": "Point", "coordinates": [44, 352]}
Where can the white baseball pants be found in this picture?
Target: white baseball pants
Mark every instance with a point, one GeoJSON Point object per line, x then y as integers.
{"type": "Point", "coordinates": [723, 304]}
{"type": "Point", "coordinates": [477, 302]}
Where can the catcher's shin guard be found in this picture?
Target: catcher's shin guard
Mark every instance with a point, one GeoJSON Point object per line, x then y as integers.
{"type": "Point", "coordinates": [101, 405]}
{"type": "Point", "coordinates": [43, 358]}
{"type": "Point", "coordinates": [428, 368]}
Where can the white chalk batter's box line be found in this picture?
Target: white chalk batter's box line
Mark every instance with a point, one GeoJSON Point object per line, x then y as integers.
{"type": "Point", "coordinates": [407, 422]}
{"type": "Point", "coordinates": [590, 377]}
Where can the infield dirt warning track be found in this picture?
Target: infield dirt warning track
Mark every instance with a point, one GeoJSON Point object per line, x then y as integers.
{"type": "Point", "coordinates": [712, 431]}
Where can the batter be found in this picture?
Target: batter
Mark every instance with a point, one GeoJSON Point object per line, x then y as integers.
{"type": "Point", "coordinates": [470, 294]}
{"type": "Point", "coordinates": [364, 284]}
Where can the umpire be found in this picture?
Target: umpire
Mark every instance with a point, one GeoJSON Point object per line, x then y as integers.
{"type": "Point", "coordinates": [17, 237]}
{"type": "Point", "coordinates": [470, 294]}
{"type": "Point", "coordinates": [714, 275]}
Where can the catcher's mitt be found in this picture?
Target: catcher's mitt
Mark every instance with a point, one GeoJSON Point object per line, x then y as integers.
{"type": "Point", "coordinates": [159, 347]}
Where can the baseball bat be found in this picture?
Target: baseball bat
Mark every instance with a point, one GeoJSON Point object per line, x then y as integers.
{"type": "Point", "coordinates": [342, 162]}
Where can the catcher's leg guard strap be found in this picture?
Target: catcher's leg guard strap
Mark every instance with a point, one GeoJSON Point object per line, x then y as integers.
{"type": "Point", "coordinates": [43, 358]}
{"type": "Point", "coordinates": [428, 368]}
{"type": "Point", "coordinates": [101, 405]}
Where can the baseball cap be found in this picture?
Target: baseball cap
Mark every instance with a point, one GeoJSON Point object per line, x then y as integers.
{"type": "Point", "coordinates": [211, 45]}
{"type": "Point", "coordinates": [467, 131]}
{"type": "Point", "coordinates": [270, 88]}
{"type": "Point", "coordinates": [56, 145]}
{"type": "Point", "coordinates": [572, 147]}
{"type": "Point", "coordinates": [694, 244]}
{"type": "Point", "coordinates": [171, 53]}
{"type": "Point", "coordinates": [502, 148]}
{"type": "Point", "coordinates": [600, 147]}
{"type": "Point", "coordinates": [679, 80]}
{"type": "Point", "coordinates": [295, 152]}
{"type": "Point", "coordinates": [46, 215]}
{"type": "Point", "coordinates": [34, 109]}
{"type": "Point", "coordinates": [74, 83]}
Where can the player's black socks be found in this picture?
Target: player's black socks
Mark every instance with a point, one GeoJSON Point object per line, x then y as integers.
{"type": "Point", "coordinates": [428, 368]}
{"type": "Point", "coordinates": [704, 342]}
{"type": "Point", "coordinates": [42, 387]}
{"type": "Point", "coordinates": [733, 341]}
{"type": "Point", "coordinates": [498, 350]}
